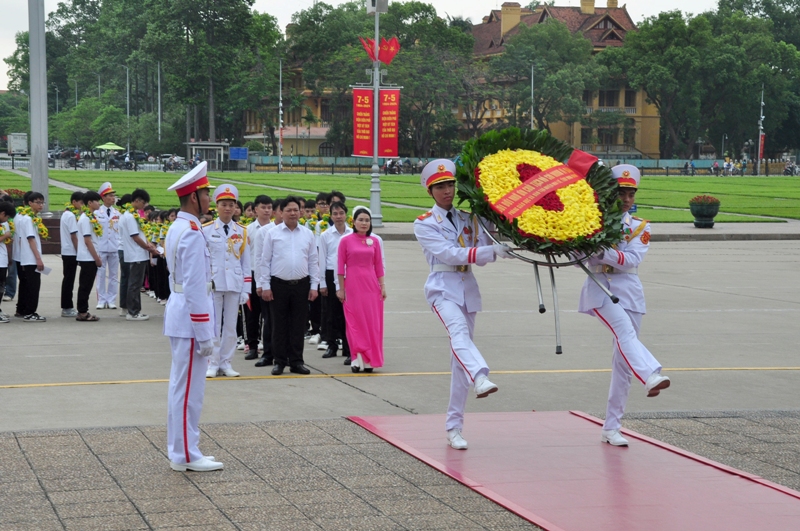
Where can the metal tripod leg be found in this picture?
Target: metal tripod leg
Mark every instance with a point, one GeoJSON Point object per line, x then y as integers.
{"type": "Point", "coordinates": [542, 309]}
{"type": "Point", "coordinates": [611, 296]}
{"type": "Point", "coordinates": [555, 308]}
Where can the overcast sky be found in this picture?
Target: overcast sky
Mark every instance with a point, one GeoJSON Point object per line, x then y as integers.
{"type": "Point", "coordinates": [15, 14]}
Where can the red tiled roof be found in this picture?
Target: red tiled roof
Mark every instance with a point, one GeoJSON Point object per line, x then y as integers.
{"type": "Point", "coordinates": [488, 40]}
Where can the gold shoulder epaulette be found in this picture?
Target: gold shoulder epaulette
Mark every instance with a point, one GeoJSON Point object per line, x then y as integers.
{"type": "Point", "coordinates": [425, 215]}
{"type": "Point", "coordinates": [207, 223]}
{"type": "Point", "coordinates": [242, 226]}
{"type": "Point", "coordinates": [637, 218]}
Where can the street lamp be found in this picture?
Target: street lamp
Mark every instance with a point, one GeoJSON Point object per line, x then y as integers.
{"type": "Point", "coordinates": [56, 87]}
{"type": "Point", "coordinates": [724, 138]}
{"type": "Point", "coordinates": [128, 103]}
{"type": "Point", "coordinates": [376, 7]}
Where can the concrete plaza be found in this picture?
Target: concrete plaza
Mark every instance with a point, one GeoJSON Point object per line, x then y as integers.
{"type": "Point", "coordinates": [721, 319]}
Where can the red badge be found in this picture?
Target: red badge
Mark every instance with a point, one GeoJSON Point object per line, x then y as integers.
{"type": "Point", "coordinates": [645, 237]}
{"type": "Point", "coordinates": [193, 225]}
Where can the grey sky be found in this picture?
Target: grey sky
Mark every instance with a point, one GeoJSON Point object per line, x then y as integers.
{"type": "Point", "coordinates": [15, 14]}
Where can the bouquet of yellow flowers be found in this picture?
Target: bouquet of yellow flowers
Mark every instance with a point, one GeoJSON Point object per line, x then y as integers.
{"type": "Point", "coordinates": [517, 180]}
{"type": "Point", "coordinates": [37, 221]}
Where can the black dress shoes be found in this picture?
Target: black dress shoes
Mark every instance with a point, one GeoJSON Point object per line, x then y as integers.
{"type": "Point", "coordinates": [252, 354]}
{"type": "Point", "coordinates": [277, 370]}
{"type": "Point", "coordinates": [330, 353]}
{"type": "Point", "coordinates": [299, 369]}
{"type": "Point", "coordinates": [347, 360]}
{"type": "Point", "coordinates": [264, 362]}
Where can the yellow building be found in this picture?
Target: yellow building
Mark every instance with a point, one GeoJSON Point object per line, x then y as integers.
{"type": "Point", "coordinates": [638, 136]}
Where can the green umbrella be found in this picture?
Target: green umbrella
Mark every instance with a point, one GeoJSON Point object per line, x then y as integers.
{"type": "Point", "coordinates": [109, 145]}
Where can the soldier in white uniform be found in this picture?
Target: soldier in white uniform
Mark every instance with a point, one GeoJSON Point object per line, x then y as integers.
{"type": "Point", "coordinates": [453, 241]}
{"type": "Point", "coordinates": [189, 323]}
{"type": "Point", "coordinates": [108, 248]}
{"type": "Point", "coordinates": [231, 275]}
{"type": "Point", "coordinates": [617, 269]}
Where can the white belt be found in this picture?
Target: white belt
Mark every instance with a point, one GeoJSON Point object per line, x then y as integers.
{"type": "Point", "coordinates": [438, 268]}
{"type": "Point", "coordinates": [179, 287]}
{"type": "Point", "coordinates": [610, 270]}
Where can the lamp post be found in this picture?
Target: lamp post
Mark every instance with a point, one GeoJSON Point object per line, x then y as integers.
{"type": "Point", "coordinates": [760, 132]}
{"type": "Point", "coordinates": [280, 115]}
{"type": "Point", "coordinates": [128, 103]}
{"type": "Point", "coordinates": [724, 138]}
{"type": "Point", "coordinates": [532, 100]}
{"type": "Point", "coordinates": [376, 7]}
{"type": "Point", "coordinates": [56, 87]}
{"type": "Point", "coordinates": [76, 93]}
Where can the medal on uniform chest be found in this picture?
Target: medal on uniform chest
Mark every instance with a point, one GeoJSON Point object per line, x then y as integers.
{"type": "Point", "coordinates": [236, 245]}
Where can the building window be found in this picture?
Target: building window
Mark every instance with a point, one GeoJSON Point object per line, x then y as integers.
{"type": "Point", "coordinates": [325, 111]}
{"type": "Point", "coordinates": [586, 135]}
{"type": "Point", "coordinates": [326, 149]}
{"type": "Point", "coordinates": [608, 98]}
{"type": "Point", "coordinates": [630, 98]}
{"type": "Point", "coordinates": [604, 24]}
{"type": "Point", "coordinates": [587, 98]}
{"type": "Point", "coordinates": [607, 136]}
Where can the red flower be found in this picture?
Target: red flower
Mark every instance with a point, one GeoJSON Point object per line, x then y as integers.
{"type": "Point", "coordinates": [477, 176]}
{"type": "Point", "coordinates": [552, 202]}
{"type": "Point", "coordinates": [527, 171]}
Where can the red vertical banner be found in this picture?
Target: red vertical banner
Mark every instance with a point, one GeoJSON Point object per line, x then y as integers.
{"type": "Point", "coordinates": [362, 122]}
{"type": "Point", "coordinates": [761, 149]}
{"type": "Point", "coordinates": [388, 125]}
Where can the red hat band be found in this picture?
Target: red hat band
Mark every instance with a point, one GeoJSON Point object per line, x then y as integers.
{"type": "Point", "coordinates": [193, 187]}
{"type": "Point", "coordinates": [627, 182]}
{"type": "Point", "coordinates": [439, 177]}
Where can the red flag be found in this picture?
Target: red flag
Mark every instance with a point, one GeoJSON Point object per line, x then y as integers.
{"type": "Point", "coordinates": [581, 162]}
{"type": "Point", "coordinates": [388, 50]}
{"type": "Point", "coordinates": [369, 46]}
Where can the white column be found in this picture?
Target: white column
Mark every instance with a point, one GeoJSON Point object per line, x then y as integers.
{"type": "Point", "coordinates": [38, 99]}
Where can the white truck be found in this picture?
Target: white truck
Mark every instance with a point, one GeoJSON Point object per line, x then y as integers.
{"type": "Point", "coordinates": [18, 144]}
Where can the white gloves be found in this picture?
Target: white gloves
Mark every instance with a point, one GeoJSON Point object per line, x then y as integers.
{"type": "Point", "coordinates": [205, 348]}
{"type": "Point", "coordinates": [502, 250]}
{"type": "Point", "coordinates": [243, 298]}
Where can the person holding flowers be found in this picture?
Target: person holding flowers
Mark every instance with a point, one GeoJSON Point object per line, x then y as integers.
{"type": "Point", "coordinates": [89, 231]}
{"type": "Point", "coordinates": [28, 256]}
{"type": "Point", "coordinates": [617, 269]}
{"type": "Point", "coordinates": [69, 251]}
{"type": "Point", "coordinates": [136, 252]}
{"type": "Point", "coordinates": [452, 242]}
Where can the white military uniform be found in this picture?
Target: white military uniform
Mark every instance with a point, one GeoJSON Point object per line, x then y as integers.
{"type": "Point", "coordinates": [452, 292]}
{"type": "Point", "coordinates": [188, 321]}
{"type": "Point", "coordinates": [108, 249]}
{"type": "Point", "coordinates": [231, 275]}
{"type": "Point", "coordinates": [617, 269]}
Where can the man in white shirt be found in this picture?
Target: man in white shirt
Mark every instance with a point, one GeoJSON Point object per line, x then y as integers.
{"type": "Point", "coordinates": [69, 250]}
{"type": "Point", "coordinates": [87, 255]}
{"type": "Point", "coordinates": [289, 277]}
{"type": "Point", "coordinates": [136, 252]}
{"type": "Point", "coordinates": [108, 248]}
{"type": "Point", "coordinates": [257, 326]}
{"type": "Point", "coordinates": [28, 256]}
{"type": "Point", "coordinates": [333, 326]}
{"type": "Point", "coordinates": [7, 212]}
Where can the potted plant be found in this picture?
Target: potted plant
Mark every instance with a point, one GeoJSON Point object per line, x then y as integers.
{"type": "Point", "coordinates": [16, 195]}
{"type": "Point", "coordinates": [704, 208]}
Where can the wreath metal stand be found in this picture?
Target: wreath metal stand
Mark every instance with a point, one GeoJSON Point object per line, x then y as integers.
{"type": "Point", "coordinates": [551, 263]}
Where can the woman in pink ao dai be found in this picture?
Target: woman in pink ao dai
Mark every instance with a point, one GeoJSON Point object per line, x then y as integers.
{"type": "Point", "coordinates": [362, 292]}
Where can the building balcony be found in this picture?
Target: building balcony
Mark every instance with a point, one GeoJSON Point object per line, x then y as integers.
{"type": "Point", "coordinates": [621, 110]}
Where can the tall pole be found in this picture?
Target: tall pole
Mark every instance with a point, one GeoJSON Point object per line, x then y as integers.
{"type": "Point", "coordinates": [98, 85]}
{"type": "Point", "coordinates": [723, 145]}
{"type": "Point", "coordinates": [56, 87]}
{"type": "Point", "coordinates": [280, 116]}
{"type": "Point", "coordinates": [760, 131]}
{"type": "Point", "coordinates": [128, 104]}
{"type": "Point", "coordinates": [159, 101]}
{"type": "Point", "coordinates": [532, 103]}
{"type": "Point", "coordinates": [375, 188]}
{"type": "Point", "coordinates": [38, 99]}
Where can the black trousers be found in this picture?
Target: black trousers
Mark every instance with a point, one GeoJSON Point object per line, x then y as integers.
{"type": "Point", "coordinates": [333, 313]}
{"type": "Point", "coordinates": [133, 299]}
{"type": "Point", "coordinates": [266, 318]}
{"type": "Point", "coordinates": [252, 317]}
{"type": "Point", "coordinates": [3, 273]}
{"type": "Point", "coordinates": [124, 272]}
{"type": "Point", "coordinates": [289, 318]}
{"type": "Point", "coordinates": [30, 282]}
{"type": "Point", "coordinates": [70, 264]}
{"type": "Point", "coordinates": [315, 315]}
{"type": "Point", "coordinates": [85, 283]}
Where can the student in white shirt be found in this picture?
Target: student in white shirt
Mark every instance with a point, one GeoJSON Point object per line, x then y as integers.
{"type": "Point", "coordinates": [333, 325]}
{"type": "Point", "coordinates": [88, 257]}
{"type": "Point", "coordinates": [28, 256]}
{"type": "Point", "coordinates": [69, 250]}
{"type": "Point", "coordinates": [7, 211]}
{"type": "Point", "coordinates": [262, 206]}
{"type": "Point", "coordinates": [136, 253]}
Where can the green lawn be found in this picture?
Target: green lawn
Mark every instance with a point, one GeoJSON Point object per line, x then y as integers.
{"type": "Point", "coordinates": [759, 196]}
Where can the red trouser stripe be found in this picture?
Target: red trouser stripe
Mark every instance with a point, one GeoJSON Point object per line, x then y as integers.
{"type": "Point", "coordinates": [186, 402]}
{"type": "Point", "coordinates": [616, 338]}
{"type": "Point", "coordinates": [451, 345]}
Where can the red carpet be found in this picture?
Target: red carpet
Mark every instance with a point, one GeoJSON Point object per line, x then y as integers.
{"type": "Point", "coordinates": [551, 469]}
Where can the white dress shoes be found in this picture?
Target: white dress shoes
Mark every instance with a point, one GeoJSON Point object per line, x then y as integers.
{"type": "Point", "coordinates": [111, 306]}
{"type": "Point", "coordinates": [455, 440]}
{"type": "Point", "coordinates": [100, 306]}
{"type": "Point", "coordinates": [483, 387]}
{"type": "Point", "coordinates": [229, 373]}
{"type": "Point", "coordinates": [204, 464]}
{"type": "Point", "coordinates": [614, 438]}
{"type": "Point", "coordinates": [655, 383]}
{"type": "Point", "coordinates": [211, 373]}
{"type": "Point", "coordinates": [322, 345]}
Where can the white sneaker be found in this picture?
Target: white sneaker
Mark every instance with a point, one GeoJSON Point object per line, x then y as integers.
{"type": "Point", "coordinates": [323, 345]}
{"type": "Point", "coordinates": [151, 294]}
{"type": "Point", "coordinates": [111, 306]}
{"type": "Point", "coordinates": [4, 318]}
{"type": "Point", "coordinates": [100, 306]}
{"type": "Point", "coordinates": [260, 345]}
{"type": "Point", "coordinates": [137, 317]}
{"type": "Point", "coordinates": [230, 373]}
{"type": "Point", "coordinates": [455, 440]}
{"type": "Point", "coordinates": [7, 298]}
{"type": "Point", "coordinates": [483, 387]}
{"type": "Point", "coordinates": [240, 344]}
{"type": "Point", "coordinates": [204, 464]}
{"type": "Point", "coordinates": [163, 302]}
{"type": "Point", "coordinates": [69, 312]}
{"type": "Point", "coordinates": [314, 339]}
{"type": "Point", "coordinates": [655, 383]}
{"type": "Point", "coordinates": [211, 373]}
{"type": "Point", "coordinates": [613, 437]}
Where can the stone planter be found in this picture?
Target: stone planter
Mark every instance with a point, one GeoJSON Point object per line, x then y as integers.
{"type": "Point", "coordinates": [704, 215]}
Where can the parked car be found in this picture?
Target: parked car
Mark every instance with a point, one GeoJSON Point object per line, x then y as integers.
{"type": "Point", "coordinates": [167, 156]}
{"type": "Point", "coordinates": [139, 156]}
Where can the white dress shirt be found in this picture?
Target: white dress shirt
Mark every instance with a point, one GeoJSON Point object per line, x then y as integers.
{"type": "Point", "coordinates": [69, 226]}
{"type": "Point", "coordinates": [258, 248]}
{"type": "Point", "coordinates": [85, 229]}
{"type": "Point", "coordinates": [289, 255]}
{"type": "Point", "coordinates": [328, 251]}
{"type": "Point", "coordinates": [128, 228]}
